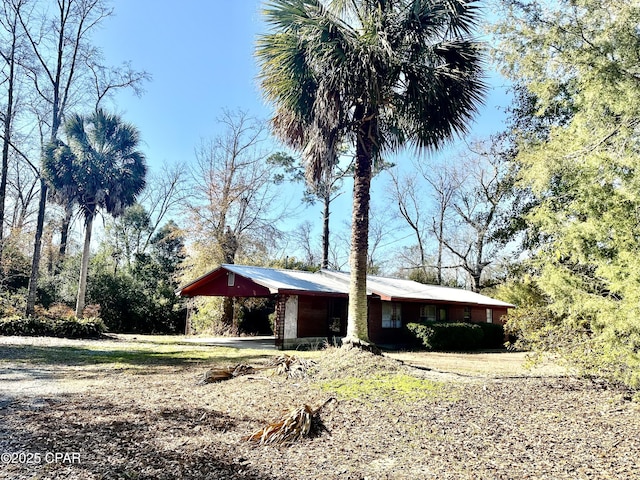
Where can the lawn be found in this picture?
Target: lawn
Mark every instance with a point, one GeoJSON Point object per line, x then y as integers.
{"type": "Point", "coordinates": [135, 408]}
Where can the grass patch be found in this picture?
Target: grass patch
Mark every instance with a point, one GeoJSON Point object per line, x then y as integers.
{"type": "Point", "coordinates": [384, 387]}
{"type": "Point", "coordinates": [156, 355]}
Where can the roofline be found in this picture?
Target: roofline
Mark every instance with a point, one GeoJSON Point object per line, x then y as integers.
{"type": "Point", "coordinates": [445, 302]}
{"type": "Point", "coordinates": [338, 275]}
{"type": "Point", "coordinates": [178, 292]}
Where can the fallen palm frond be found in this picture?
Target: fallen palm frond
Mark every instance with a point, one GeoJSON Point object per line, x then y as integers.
{"type": "Point", "coordinates": [297, 423]}
{"type": "Point", "coordinates": [291, 366]}
{"type": "Point", "coordinates": [225, 373]}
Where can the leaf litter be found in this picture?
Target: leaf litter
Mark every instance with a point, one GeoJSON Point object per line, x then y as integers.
{"type": "Point", "coordinates": [156, 423]}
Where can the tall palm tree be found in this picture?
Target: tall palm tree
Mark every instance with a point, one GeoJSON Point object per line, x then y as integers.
{"type": "Point", "coordinates": [379, 74]}
{"type": "Point", "coordinates": [100, 167]}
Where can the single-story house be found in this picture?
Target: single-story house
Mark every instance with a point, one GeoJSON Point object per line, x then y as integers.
{"type": "Point", "coordinates": [312, 307]}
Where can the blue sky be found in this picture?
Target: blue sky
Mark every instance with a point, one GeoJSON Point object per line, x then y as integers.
{"type": "Point", "coordinates": [200, 55]}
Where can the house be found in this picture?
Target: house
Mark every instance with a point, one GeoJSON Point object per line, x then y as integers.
{"type": "Point", "coordinates": [312, 307]}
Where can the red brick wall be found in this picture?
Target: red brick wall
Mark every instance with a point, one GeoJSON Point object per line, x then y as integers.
{"type": "Point", "coordinates": [278, 328]}
{"type": "Point", "coordinates": [411, 313]}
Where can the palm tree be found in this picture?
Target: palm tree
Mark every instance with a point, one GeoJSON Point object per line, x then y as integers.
{"type": "Point", "coordinates": [99, 168]}
{"type": "Point", "coordinates": [379, 74]}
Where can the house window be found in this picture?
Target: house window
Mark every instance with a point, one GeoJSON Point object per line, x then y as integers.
{"type": "Point", "coordinates": [231, 279]}
{"type": "Point", "coordinates": [489, 315]}
{"type": "Point", "coordinates": [427, 313]}
{"type": "Point", "coordinates": [467, 314]}
{"type": "Point", "coordinates": [442, 315]}
{"type": "Point", "coordinates": [391, 316]}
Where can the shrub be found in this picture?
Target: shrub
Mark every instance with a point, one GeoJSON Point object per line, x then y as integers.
{"type": "Point", "coordinates": [12, 303]}
{"type": "Point", "coordinates": [16, 325]}
{"type": "Point", "coordinates": [48, 327]}
{"type": "Point", "coordinates": [493, 335]}
{"type": "Point", "coordinates": [417, 335]}
{"type": "Point", "coordinates": [448, 336]}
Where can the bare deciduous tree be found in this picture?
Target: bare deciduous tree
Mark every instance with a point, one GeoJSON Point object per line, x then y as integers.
{"type": "Point", "coordinates": [478, 201]}
{"type": "Point", "coordinates": [233, 207]}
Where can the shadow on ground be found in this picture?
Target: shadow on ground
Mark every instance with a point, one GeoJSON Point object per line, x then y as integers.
{"type": "Point", "coordinates": [112, 440]}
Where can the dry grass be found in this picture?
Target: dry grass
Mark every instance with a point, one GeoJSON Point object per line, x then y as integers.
{"type": "Point", "coordinates": [484, 364]}
{"type": "Point", "coordinates": [134, 410]}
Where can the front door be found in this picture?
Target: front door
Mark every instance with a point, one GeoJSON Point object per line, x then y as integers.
{"type": "Point", "coordinates": [336, 319]}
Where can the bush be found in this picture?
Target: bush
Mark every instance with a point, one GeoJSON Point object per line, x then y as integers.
{"type": "Point", "coordinates": [48, 327]}
{"type": "Point", "coordinates": [493, 335]}
{"type": "Point", "coordinates": [12, 303]}
{"type": "Point", "coordinates": [448, 336]}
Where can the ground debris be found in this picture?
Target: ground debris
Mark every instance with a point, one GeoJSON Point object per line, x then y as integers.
{"type": "Point", "coordinates": [291, 365]}
{"type": "Point", "coordinates": [294, 425]}
{"type": "Point", "coordinates": [225, 373]}
{"type": "Point", "coordinates": [151, 424]}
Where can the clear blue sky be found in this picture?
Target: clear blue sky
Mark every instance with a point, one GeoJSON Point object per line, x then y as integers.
{"type": "Point", "coordinates": [200, 54]}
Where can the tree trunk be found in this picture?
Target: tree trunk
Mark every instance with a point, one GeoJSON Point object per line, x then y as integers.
{"type": "Point", "coordinates": [84, 268]}
{"type": "Point", "coordinates": [37, 250]}
{"type": "Point", "coordinates": [440, 248]}
{"type": "Point", "coordinates": [357, 325]}
{"type": "Point", "coordinates": [64, 230]}
{"type": "Point", "coordinates": [229, 245]}
{"type": "Point", "coordinates": [8, 118]}
{"type": "Point", "coordinates": [475, 281]}
{"type": "Point", "coordinates": [325, 230]}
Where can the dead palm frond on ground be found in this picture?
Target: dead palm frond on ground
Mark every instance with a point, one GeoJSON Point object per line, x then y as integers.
{"type": "Point", "coordinates": [291, 366]}
{"type": "Point", "coordinates": [225, 373]}
{"type": "Point", "coordinates": [294, 425]}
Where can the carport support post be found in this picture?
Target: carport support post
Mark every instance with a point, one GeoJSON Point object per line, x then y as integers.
{"type": "Point", "coordinates": [286, 327]}
{"type": "Point", "coordinates": [278, 327]}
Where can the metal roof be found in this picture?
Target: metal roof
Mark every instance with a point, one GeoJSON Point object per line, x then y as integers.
{"type": "Point", "coordinates": [277, 280]}
{"type": "Point", "coordinates": [336, 282]}
{"type": "Point", "coordinates": [399, 289]}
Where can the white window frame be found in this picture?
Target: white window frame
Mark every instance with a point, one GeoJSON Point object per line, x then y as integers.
{"type": "Point", "coordinates": [391, 315]}
{"type": "Point", "coordinates": [489, 315]}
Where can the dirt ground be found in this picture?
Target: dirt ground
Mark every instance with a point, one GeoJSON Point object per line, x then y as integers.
{"type": "Point", "coordinates": [72, 410]}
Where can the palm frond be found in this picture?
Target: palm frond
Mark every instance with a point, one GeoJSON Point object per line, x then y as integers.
{"type": "Point", "coordinates": [291, 366]}
{"type": "Point", "coordinates": [293, 426]}
{"type": "Point", "coordinates": [225, 373]}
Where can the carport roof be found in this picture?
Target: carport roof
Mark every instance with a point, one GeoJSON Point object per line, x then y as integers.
{"type": "Point", "coordinates": [274, 280]}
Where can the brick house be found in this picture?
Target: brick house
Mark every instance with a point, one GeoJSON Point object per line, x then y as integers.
{"type": "Point", "coordinates": [312, 307]}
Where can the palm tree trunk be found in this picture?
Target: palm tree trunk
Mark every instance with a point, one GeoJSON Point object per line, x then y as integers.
{"type": "Point", "coordinates": [84, 268]}
{"type": "Point", "coordinates": [64, 232]}
{"type": "Point", "coordinates": [357, 325]}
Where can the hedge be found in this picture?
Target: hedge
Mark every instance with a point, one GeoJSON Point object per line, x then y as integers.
{"type": "Point", "coordinates": [47, 327]}
{"type": "Point", "coordinates": [455, 336]}
{"type": "Point", "coordinates": [493, 335]}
